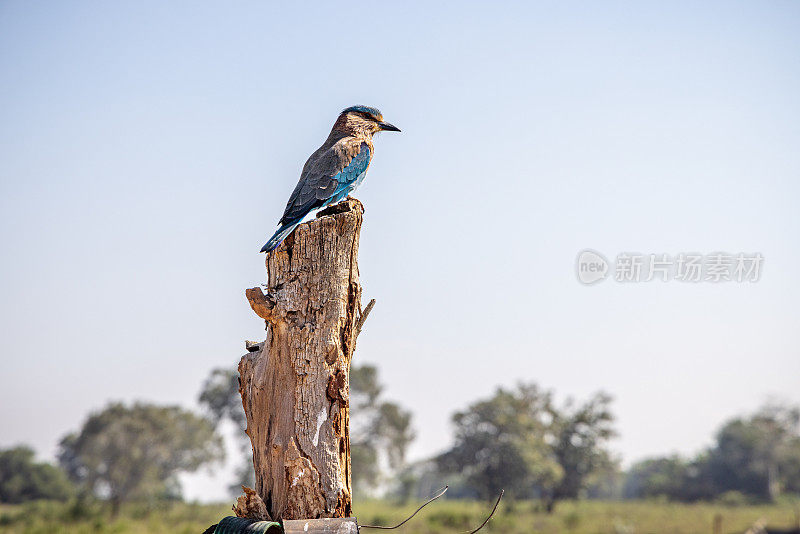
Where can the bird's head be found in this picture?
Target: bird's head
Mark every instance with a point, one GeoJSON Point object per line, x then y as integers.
{"type": "Point", "coordinates": [363, 120]}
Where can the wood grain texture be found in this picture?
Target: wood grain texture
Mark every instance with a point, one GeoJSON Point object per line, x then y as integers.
{"type": "Point", "coordinates": [295, 389]}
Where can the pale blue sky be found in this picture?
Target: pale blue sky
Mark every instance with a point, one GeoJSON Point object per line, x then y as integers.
{"type": "Point", "coordinates": [147, 150]}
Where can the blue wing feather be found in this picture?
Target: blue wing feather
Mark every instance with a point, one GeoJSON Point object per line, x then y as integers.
{"type": "Point", "coordinates": [351, 176]}
{"type": "Point", "coordinates": [345, 182]}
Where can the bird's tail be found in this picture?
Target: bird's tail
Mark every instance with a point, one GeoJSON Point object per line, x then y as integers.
{"type": "Point", "coordinates": [279, 236]}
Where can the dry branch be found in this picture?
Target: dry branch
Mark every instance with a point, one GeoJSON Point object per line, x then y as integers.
{"type": "Point", "coordinates": [406, 520]}
{"type": "Point", "coordinates": [362, 316]}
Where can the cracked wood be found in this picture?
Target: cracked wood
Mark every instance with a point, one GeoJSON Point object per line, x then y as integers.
{"type": "Point", "coordinates": [295, 387]}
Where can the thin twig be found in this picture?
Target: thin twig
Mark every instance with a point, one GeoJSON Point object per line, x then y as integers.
{"type": "Point", "coordinates": [490, 515]}
{"type": "Point", "coordinates": [363, 316]}
{"type": "Point", "coordinates": [426, 503]}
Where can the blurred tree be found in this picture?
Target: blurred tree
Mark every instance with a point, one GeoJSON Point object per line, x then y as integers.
{"type": "Point", "coordinates": [758, 455]}
{"type": "Point", "coordinates": [790, 467]}
{"type": "Point", "coordinates": [22, 479]}
{"type": "Point", "coordinates": [606, 483]}
{"type": "Point", "coordinates": [122, 452]}
{"type": "Point", "coordinates": [364, 386]}
{"type": "Point", "coordinates": [380, 431]}
{"type": "Point", "coordinates": [657, 477]}
{"type": "Point", "coordinates": [220, 396]}
{"type": "Point", "coordinates": [520, 441]}
{"type": "Point", "coordinates": [581, 435]}
{"type": "Point", "coordinates": [501, 443]}
{"type": "Point", "coordinates": [698, 482]}
{"type": "Point", "coordinates": [220, 399]}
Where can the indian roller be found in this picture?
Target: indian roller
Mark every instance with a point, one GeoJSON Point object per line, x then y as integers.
{"type": "Point", "coordinates": [335, 170]}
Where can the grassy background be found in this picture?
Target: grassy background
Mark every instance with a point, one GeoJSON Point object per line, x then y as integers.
{"type": "Point", "coordinates": [441, 517]}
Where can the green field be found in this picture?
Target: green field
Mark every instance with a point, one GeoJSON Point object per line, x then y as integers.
{"type": "Point", "coordinates": [441, 517]}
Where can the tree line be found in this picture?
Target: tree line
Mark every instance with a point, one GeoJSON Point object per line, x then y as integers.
{"type": "Point", "coordinates": [755, 456]}
{"type": "Point", "coordinates": [518, 439]}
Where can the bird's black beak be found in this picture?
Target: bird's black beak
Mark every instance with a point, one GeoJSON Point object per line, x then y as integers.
{"type": "Point", "coordinates": [386, 127]}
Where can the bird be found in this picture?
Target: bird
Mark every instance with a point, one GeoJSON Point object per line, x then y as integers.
{"type": "Point", "coordinates": [335, 169]}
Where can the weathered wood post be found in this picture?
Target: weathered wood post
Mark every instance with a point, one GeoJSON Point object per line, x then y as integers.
{"type": "Point", "coordinates": [295, 387]}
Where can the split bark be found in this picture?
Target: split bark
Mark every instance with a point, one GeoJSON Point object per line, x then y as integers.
{"type": "Point", "coordinates": [295, 387]}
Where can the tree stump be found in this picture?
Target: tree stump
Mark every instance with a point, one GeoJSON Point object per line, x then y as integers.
{"type": "Point", "coordinates": [295, 388]}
